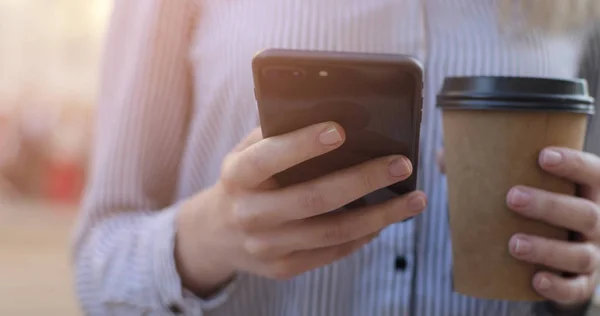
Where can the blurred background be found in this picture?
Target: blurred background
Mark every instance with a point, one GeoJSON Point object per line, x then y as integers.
{"type": "Point", "coordinates": [49, 60]}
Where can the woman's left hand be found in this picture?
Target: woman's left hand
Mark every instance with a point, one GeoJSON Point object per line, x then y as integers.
{"type": "Point", "coordinates": [579, 214]}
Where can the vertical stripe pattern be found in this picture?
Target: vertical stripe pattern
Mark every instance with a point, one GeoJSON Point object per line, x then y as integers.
{"type": "Point", "coordinates": [177, 96]}
{"type": "Point", "coordinates": [590, 69]}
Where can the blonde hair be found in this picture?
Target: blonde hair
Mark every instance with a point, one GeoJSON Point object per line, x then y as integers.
{"type": "Point", "coordinates": [551, 15]}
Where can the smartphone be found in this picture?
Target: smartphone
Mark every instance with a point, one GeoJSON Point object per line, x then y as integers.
{"type": "Point", "coordinates": [377, 98]}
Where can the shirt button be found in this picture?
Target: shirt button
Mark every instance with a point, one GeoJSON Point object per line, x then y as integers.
{"type": "Point", "coordinates": [400, 263]}
{"type": "Point", "coordinates": [175, 309]}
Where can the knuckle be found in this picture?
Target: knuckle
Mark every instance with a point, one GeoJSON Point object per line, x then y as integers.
{"type": "Point", "coordinates": [312, 199]}
{"type": "Point", "coordinates": [540, 253]}
{"type": "Point", "coordinates": [356, 220]}
{"type": "Point", "coordinates": [257, 247]}
{"type": "Point", "coordinates": [243, 219]}
{"type": "Point", "coordinates": [578, 163]}
{"type": "Point", "coordinates": [579, 290]}
{"type": "Point", "coordinates": [591, 217]}
{"type": "Point", "coordinates": [256, 161]}
{"type": "Point", "coordinates": [587, 261]}
{"type": "Point", "coordinates": [550, 203]}
{"type": "Point", "coordinates": [335, 232]}
{"type": "Point", "coordinates": [228, 187]}
{"type": "Point", "coordinates": [366, 179]}
{"type": "Point", "coordinates": [227, 171]}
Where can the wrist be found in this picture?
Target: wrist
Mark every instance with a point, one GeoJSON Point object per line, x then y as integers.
{"type": "Point", "coordinates": [199, 263]}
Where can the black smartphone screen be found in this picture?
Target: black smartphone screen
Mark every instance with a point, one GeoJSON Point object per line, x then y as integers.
{"type": "Point", "coordinates": [377, 104]}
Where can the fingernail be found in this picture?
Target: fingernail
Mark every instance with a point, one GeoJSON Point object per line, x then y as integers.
{"type": "Point", "coordinates": [519, 197]}
{"type": "Point", "coordinates": [330, 136]}
{"type": "Point", "coordinates": [417, 203]}
{"type": "Point", "coordinates": [543, 283]}
{"type": "Point", "coordinates": [520, 246]}
{"type": "Point", "coordinates": [551, 157]}
{"type": "Point", "coordinates": [400, 167]}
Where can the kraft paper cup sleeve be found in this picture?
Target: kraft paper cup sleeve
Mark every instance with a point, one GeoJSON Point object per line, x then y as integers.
{"type": "Point", "coordinates": [488, 151]}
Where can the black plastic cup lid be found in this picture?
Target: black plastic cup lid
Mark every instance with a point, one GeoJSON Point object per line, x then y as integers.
{"type": "Point", "coordinates": [516, 93]}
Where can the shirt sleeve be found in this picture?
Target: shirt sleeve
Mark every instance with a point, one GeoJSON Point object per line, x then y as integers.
{"type": "Point", "coordinates": [124, 246]}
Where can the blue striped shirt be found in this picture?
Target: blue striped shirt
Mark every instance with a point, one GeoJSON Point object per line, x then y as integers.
{"type": "Point", "coordinates": [177, 96]}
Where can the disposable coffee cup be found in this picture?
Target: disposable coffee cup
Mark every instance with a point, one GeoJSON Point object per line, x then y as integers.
{"type": "Point", "coordinates": [494, 130]}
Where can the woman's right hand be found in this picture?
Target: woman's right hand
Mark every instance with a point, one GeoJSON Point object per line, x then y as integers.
{"type": "Point", "coordinates": [246, 223]}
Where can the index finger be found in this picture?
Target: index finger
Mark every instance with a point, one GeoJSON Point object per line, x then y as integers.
{"type": "Point", "coordinates": [331, 191]}
{"type": "Point", "coordinates": [265, 158]}
{"type": "Point", "coordinates": [580, 167]}
{"type": "Point", "coordinates": [573, 213]}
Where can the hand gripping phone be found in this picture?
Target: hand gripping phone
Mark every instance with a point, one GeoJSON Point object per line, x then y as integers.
{"type": "Point", "coordinates": [377, 98]}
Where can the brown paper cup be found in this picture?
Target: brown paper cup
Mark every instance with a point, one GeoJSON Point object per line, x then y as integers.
{"type": "Point", "coordinates": [487, 153]}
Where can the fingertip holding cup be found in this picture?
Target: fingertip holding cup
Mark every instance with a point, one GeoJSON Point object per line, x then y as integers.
{"type": "Point", "coordinates": [520, 245]}
{"type": "Point", "coordinates": [518, 197]}
{"type": "Point", "coordinates": [550, 158]}
{"type": "Point", "coordinates": [541, 282]}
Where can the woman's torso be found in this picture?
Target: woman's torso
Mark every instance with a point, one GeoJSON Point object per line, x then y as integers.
{"type": "Point", "coordinates": [407, 270]}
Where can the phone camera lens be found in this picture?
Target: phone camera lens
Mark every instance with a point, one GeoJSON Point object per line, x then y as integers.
{"type": "Point", "coordinates": [271, 74]}
{"type": "Point", "coordinates": [282, 73]}
{"type": "Point", "coordinates": [296, 73]}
